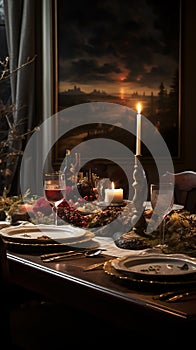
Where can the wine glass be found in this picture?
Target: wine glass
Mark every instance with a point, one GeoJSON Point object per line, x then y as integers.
{"type": "Point", "coordinates": [55, 190]}
{"type": "Point", "coordinates": [162, 198]}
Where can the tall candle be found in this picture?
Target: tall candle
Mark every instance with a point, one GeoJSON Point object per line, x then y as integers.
{"type": "Point", "coordinates": [113, 195]}
{"type": "Point", "coordinates": [138, 131]}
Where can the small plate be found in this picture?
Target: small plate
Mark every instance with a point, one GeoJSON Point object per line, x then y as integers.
{"type": "Point", "coordinates": [157, 266]}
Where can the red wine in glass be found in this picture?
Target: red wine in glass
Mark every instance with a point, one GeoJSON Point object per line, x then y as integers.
{"type": "Point", "coordinates": [55, 190]}
{"type": "Point", "coordinates": [54, 195]}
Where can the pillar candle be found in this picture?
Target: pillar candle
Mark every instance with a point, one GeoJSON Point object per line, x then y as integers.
{"type": "Point", "coordinates": [138, 131]}
{"type": "Point", "coordinates": [113, 195]}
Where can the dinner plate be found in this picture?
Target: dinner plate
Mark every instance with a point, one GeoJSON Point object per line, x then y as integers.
{"type": "Point", "coordinates": [143, 282]}
{"type": "Point", "coordinates": [157, 266]}
{"type": "Point", "coordinates": [85, 242]}
{"type": "Point", "coordinates": [44, 234]}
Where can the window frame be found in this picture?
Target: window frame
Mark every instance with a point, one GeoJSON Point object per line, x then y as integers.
{"type": "Point", "coordinates": [50, 84]}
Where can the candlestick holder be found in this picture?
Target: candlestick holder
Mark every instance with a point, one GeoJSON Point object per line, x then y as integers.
{"type": "Point", "coordinates": [139, 185]}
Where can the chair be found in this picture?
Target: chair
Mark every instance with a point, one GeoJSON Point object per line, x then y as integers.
{"type": "Point", "coordinates": [184, 188]}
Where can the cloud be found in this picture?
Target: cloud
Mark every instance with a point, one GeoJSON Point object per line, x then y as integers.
{"type": "Point", "coordinates": [103, 41]}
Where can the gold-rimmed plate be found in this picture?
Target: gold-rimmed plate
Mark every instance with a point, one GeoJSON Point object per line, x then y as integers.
{"type": "Point", "coordinates": [85, 242]}
{"type": "Point", "coordinates": [43, 234]}
{"type": "Point", "coordinates": [144, 283]}
{"type": "Point", "coordinates": [165, 267]}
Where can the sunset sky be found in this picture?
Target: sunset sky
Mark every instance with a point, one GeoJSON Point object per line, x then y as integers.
{"type": "Point", "coordinates": [118, 46]}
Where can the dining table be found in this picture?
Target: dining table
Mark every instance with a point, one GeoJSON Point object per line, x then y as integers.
{"type": "Point", "coordinates": [124, 303]}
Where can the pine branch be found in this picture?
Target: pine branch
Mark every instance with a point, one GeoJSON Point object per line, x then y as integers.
{"type": "Point", "coordinates": [12, 131]}
{"type": "Point", "coordinates": [6, 73]}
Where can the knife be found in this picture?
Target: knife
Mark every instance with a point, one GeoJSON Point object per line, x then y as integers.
{"type": "Point", "coordinates": [49, 255]}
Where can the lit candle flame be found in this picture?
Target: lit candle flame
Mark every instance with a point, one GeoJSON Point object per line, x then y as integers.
{"type": "Point", "coordinates": [112, 185]}
{"type": "Point", "coordinates": [139, 108]}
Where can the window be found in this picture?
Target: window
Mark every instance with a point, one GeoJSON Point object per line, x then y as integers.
{"type": "Point", "coordinates": [120, 54]}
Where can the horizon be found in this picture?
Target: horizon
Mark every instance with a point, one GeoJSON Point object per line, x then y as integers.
{"type": "Point", "coordinates": [122, 94]}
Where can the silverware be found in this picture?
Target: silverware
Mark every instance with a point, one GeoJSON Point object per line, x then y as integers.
{"type": "Point", "coordinates": [62, 256]}
{"type": "Point", "coordinates": [165, 296]}
{"type": "Point", "coordinates": [94, 266]}
{"type": "Point", "coordinates": [78, 250]}
{"type": "Point", "coordinates": [174, 295]}
{"type": "Point", "coordinates": [181, 296]}
{"type": "Point", "coordinates": [69, 254]}
{"type": "Point", "coordinates": [48, 255]}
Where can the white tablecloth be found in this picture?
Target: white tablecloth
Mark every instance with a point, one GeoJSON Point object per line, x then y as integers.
{"type": "Point", "coordinates": [111, 248]}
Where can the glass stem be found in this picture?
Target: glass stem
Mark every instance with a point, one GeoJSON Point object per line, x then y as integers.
{"type": "Point", "coordinates": [55, 215]}
{"type": "Point", "coordinates": [163, 231]}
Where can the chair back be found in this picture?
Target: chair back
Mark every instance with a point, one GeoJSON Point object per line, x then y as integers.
{"type": "Point", "coordinates": [184, 188]}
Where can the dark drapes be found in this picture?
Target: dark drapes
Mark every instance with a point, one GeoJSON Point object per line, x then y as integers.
{"type": "Point", "coordinates": [23, 29]}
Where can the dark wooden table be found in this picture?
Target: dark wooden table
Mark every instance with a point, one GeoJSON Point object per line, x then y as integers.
{"type": "Point", "coordinates": [125, 305]}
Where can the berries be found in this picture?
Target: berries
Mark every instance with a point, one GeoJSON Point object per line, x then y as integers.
{"type": "Point", "coordinates": [67, 209]}
{"type": "Point", "coordinates": [68, 212]}
{"type": "Point", "coordinates": [84, 223]}
{"type": "Point", "coordinates": [63, 204]}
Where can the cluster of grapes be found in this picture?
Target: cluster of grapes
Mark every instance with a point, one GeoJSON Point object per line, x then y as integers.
{"type": "Point", "coordinates": [67, 209]}
{"type": "Point", "coordinates": [68, 212]}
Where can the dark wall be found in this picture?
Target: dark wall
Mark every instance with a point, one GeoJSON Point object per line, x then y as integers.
{"type": "Point", "coordinates": [188, 112]}
{"type": "Point", "coordinates": [187, 157]}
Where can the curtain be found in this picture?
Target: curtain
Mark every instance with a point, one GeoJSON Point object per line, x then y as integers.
{"type": "Point", "coordinates": [23, 30]}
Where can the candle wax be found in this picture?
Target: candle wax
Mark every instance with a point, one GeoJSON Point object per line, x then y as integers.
{"type": "Point", "coordinates": [114, 195]}
{"type": "Point", "coordinates": [138, 140]}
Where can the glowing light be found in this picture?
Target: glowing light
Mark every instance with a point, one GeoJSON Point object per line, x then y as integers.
{"type": "Point", "coordinates": [122, 93]}
{"type": "Point", "coordinates": [113, 195]}
{"type": "Point", "coordinates": [139, 108]}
